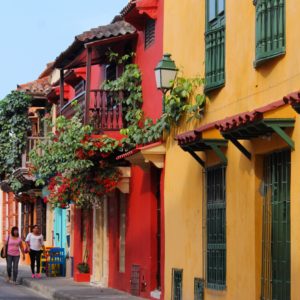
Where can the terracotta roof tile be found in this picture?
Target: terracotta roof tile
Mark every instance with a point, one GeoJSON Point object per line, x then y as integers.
{"type": "Point", "coordinates": [107, 31]}
{"type": "Point", "coordinates": [37, 87]}
{"type": "Point", "coordinates": [138, 149]}
{"type": "Point", "coordinates": [114, 29]}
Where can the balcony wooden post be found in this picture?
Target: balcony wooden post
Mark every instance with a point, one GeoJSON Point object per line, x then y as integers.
{"type": "Point", "coordinates": [62, 91]}
{"type": "Point", "coordinates": [88, 85]}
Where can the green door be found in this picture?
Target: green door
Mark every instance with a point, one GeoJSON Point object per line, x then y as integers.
{"type": "Point", "coordinates": [276, 229]}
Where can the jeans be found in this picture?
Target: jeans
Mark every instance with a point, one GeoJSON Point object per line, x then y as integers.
{"type": "Point", "coordinates": [35, 256]}
{"type": "Point", "coordinates": [12, 264]}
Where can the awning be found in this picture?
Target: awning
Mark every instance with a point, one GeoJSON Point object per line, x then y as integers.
{"type": "Point", "coordinates": [193, 142]}
{"type": "Point", "coordinates": [244, 126]}
{"type": "Point", "coordinates": [143, 155]}
{"type": "Point", "coordinates": [251, 125]}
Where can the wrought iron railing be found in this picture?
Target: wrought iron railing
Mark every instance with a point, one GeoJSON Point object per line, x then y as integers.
{"type": "Point", "coordinates": [106, 110]}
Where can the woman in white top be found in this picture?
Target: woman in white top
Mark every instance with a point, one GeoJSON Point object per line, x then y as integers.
{"type": "Point", "coordinates": [35, 242]}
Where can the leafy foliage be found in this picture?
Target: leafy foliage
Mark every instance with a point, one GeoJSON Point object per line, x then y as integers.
{"type": "Point", "coordinates": [140, 129]}
{"type": "Point", "coordinates": [72, 163]}
{"type": "Point", "coordinates": [14, 128]}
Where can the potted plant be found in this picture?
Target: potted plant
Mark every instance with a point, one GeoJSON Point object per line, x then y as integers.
{"type": "Point", "coordinates": [83, 270]}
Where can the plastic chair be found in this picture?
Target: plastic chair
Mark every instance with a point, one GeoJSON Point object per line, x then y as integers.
{"type": "Point", "coordinates": [56, 262]}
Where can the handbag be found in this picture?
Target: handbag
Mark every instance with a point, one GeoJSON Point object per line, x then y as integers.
{"type": "Point", "coordinates": [4, 249]}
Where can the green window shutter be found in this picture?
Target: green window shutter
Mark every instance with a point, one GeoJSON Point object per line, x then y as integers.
{"type": "Point", "coordinates": [276, 231]}
{"type": "Point", "coordinates": [215, 44]}
{"type": "Point", "coordinates": [270, 29]}
{"type": "Point", "coordinates": [216, 227]}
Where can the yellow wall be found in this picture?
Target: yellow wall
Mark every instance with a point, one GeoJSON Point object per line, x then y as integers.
{"type": "Point", "coordinates": [246, 88]}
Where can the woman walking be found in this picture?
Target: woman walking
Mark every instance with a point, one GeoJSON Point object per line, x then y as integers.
{"type": "Point", "coordinates": [14, 244]}
{"type": "Point", "coordinates": [35, 242]}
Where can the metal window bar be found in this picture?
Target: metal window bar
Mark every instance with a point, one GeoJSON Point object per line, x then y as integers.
{"type": "Point", "coordinates": [270, 28]}
{"type": "Point", "coordinates": [135, 280]}
{"type": "Point", "coordinates": [216, 227]}
{"type": "Point", "coordinates": [198, 289]}
{"type": "Point", "coordinates": [177, 284]}
{"type": "Point", "coordinates": [275, 274]}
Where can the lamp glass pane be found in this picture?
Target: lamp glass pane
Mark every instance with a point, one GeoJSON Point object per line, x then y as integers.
{"type": "Point", "coordinates": [167, 76]}
{"type": "Point", "coordinates": [158, 78]}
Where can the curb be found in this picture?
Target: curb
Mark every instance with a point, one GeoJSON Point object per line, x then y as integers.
{"type": "Point", "coordinates": [50, 292]}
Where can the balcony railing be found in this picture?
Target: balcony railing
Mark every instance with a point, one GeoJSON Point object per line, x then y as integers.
{"type": "Point", "coordinates": [32, 143]}
{"type": "Point", "coordinates": [68, 109]}
{"type": "Point", "coordinates": [106, 110]}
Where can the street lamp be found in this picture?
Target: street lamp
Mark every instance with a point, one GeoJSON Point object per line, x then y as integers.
{"type": "Point", "coordinates": [165, 73]}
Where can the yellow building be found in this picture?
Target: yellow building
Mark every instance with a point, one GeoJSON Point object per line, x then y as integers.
{"type": "Point", "coordinates": [232, 226]}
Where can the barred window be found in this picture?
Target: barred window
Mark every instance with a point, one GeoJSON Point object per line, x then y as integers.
{"type": "Point", "coordinates": [177, 284]}
{"type": "Point", "coordinates": [270, 29]}
{"type": "Point", "coordinates": [149, 32]}
{"type": "Point", "coordinates": [216, 227]}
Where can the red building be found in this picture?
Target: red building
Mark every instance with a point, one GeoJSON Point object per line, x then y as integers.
{"type": "Point", "coordinates": [124, 237]}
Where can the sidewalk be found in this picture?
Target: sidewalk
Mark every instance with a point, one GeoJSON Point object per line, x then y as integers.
{"type": "Point", "coordinates": [65, 289]}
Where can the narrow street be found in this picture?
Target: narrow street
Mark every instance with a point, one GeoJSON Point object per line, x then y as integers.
{"type": "Point", "coordinates": [10, 291]}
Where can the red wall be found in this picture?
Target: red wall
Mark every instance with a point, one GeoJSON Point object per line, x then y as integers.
{"type": "Point", "coordinates": [82, 221]}
{"type": "Point", "coordinates": [147, 60]}
{"type": "Point", "coordinates": [141, 229]}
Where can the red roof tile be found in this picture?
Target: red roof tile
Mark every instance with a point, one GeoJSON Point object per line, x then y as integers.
{"type": "Point", "coordinates": [138, 149]}
{"type": "Point", "coordinates": [37, 87]}
{"type": "Point", "coordinates": [292, 99]}
{"type": "Point", "coordinates": [119, 28]}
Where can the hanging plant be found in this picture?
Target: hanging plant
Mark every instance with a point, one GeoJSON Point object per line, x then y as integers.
{"type": "Point", "coordinates": [84, 190]}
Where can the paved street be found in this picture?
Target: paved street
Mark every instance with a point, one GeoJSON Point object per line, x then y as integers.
{"type": "Point", "coordinates": [9, 291]}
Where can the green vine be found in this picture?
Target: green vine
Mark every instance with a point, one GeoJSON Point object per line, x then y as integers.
{"type": "Point", "coordinates": [178, 104]}
{"type": "Point", "coordinates": [14, 128]}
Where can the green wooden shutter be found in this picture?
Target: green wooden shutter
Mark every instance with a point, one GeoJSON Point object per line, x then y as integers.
{"type": "Point", "coordinates": [215, 44]}
{"type": "Point", "coordinates": [270, 29]}
{"type": "Point", "coordinates": [276, 242]}
{"type": "Point", "coordinates": [216, 227]}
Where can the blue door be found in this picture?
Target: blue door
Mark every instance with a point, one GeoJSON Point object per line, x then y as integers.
{"type": "Point", "coordinates": [60, 230]}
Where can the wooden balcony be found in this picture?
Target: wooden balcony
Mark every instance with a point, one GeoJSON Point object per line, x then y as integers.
{"type": "Point", "coordinates": [32, 143]}
{"type": "Point", "coordinates": [106, 110]}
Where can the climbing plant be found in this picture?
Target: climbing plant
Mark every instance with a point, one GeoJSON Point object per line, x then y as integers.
{"type": "Point", "coordinates": [182, 101]}
{"type": "Point", "coordinates": [75, 165]}
{"type": "Point", "coordinates": [14, 128]}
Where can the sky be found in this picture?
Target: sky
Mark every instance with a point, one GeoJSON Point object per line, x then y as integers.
{"type": "Point", "coordinates": [35, 32]}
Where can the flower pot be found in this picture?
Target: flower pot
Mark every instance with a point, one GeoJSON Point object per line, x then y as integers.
{"type": "Point", "coordinates": [82, 277]}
